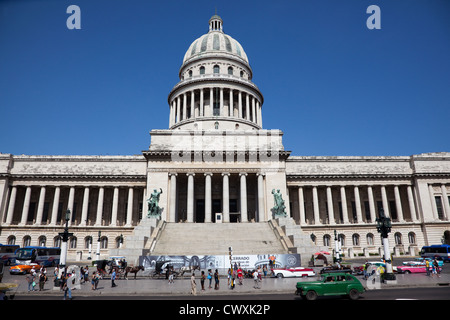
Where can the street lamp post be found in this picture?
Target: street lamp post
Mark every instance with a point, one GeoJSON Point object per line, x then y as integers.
{"type": "Point", "coordinates": [337, 257]}
{"type": "Point", "coordinates": [384, 227]}
{"type": "Point", "coordinates": [97, 254]}
{"type": "Point", "coordinates": [65, 238]}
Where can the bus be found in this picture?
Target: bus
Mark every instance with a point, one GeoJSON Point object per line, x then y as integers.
{"type": "Point", "coordinates": [44, 256]}
{"type": "Point", "coordinates": [438, 250]}
{"type": "Point", "coordinates": [7, 253]}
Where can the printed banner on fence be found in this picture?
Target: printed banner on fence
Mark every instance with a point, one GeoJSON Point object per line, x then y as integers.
{"type": "Point", "coordinates": [247, 262]}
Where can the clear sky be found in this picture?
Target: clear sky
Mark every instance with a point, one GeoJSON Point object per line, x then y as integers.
{"type": "Point", "coordinates": [335, 87]}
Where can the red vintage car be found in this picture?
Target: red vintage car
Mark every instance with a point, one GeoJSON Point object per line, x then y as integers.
{"type": "Point", "coordinates": [414, 269]}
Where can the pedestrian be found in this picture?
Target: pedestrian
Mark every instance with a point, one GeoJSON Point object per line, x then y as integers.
{"type": "Point", "coordinates": [42, 279]}
{"type": "Point", "coordinates": [202, 280]}
{"type": "Point", "coordinates": [113, 278]}
{"type": "Point", "coordinates": [427, 266]}
{"type": "Point", "coordinates": [193, 285]}
{"type": "Point", "coordinates": [256, 279]}
{"type": "Point", "coordinates": [436, 264]}
{"type": "Point", "coordinates": [30, 281]}
{"type": "Point", "coordinates": [97, 279]}
{"type": "Point", "coordinates": [68, 285]}
{"type": "Point", "coordinates": [170, 270]}
{"type": "Point", "coordinates": [229, 277]}
{"type": "Point", "coordinates": [216, 280]}
{"type": "Point", "coordinates": [210, 276]}
{"type": "Point", "coordinates": [240, 275]}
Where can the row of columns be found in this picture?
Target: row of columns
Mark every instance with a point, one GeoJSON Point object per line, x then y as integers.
{"type": "Point", "coordinates": [179, 105]}
{"type": "Point", "coordinates": [208, 196]}
{"type": "Point", "coordinates": [70, 205]}
{"type": "Point", "coordinates": [358, 204]}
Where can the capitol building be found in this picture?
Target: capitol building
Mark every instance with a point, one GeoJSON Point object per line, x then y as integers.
{"type": "Point", "coordinates": [219, 176]}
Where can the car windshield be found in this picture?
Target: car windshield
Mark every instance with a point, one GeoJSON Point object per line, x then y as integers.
{"type": "Point", "coordinates": [24, 254]}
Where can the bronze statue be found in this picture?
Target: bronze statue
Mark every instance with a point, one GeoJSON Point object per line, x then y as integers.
{"type": "Point", "coordinates": [279, 208]}
{"type": "Point", "coordinates": [154, 211]}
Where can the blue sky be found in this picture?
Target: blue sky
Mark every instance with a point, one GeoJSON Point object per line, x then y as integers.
{"type": "Point", "coordinates": [332, 85]}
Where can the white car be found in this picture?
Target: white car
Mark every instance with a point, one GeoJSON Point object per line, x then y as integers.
{"type": "Point", "coordinates": [293, 272]}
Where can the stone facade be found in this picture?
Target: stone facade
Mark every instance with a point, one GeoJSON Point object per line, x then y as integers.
{"type": "Point", "coordinates": [216, 160]}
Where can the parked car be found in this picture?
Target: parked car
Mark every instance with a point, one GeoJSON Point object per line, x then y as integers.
{"type": "Point", "coordinates": [372, 265]}
{"type": "Point", "coordinates": [331, 284]}
{"type": "Point", "coordinates": [332, 269]}
{"type": "Point", "coordinates": [24, 268]}
{"type": "Point", "coordinates": [413, 269]}
{"type": "Point", "coordinates": [292, 272]}
{"type": "Point", "coordinates": [422, 261]}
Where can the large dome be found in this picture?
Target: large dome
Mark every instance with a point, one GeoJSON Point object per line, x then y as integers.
{"type": "Point", "coordinates": [215, 42]}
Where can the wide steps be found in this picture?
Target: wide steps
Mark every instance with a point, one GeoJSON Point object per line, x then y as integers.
{"type": "Point", "coordinates": [216, 238]}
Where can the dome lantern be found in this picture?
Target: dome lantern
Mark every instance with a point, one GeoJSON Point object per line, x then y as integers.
{"type": "Point", "coordinates": [215, 23]}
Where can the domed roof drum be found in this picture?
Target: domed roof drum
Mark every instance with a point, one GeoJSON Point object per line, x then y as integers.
{"type": "Point", "coordinates": [215, 42]}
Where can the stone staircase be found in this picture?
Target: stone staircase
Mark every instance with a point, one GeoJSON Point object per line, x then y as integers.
{"type": "Point", "coordinates": [216, 238]}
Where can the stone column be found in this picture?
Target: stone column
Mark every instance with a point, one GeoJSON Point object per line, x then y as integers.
{"type": "Point", "coordinates": [316, 206]}
{"type": "Point", "coordinates": [101, 196]}
{"type": "Point", "coordinates": [243, 177]}
{"type": "Point", "coordinates": [433, 202]}
{"type": "Point", "coordinates": [261, 208]}
{"type": "Point", "coordinates": [173, 197]}
{"type": "Point", "coordinates": [190, 198]}
{"type": "Point", "coordinates": [202, 104]}
{"type": "Point", "coordinates": [70, 203]}
{"type": "Point", "coordinates": [247, 106]}
{"type": "Point", "coordinates": [26, 207]}
{"type": "Point", "coordinates": [184, 106]}
{"type": "Point", "coordinates": [258, 106]}
{"type": "Point", "coordinates": [385, 202]}
{"type": "Point", "coordinates": [55, 206]}
{"type": "Point", "coordinates": [330, 206]}
{"type": "Point", "coordinates": [210, 112]}
{"type": "Point", "coordinates": [398, 204]}
{"type": "Point", "coordinates": [84, 211]}
{"type": "Point", "coordinates": [222, 109]}
{"type": "Point", "coordinates": [301, 206]}
{"type": "Point", "coordinates": [40, 210]}
{"type": "Point", "coordinates": [240, 104]}
{"type": "Point", "coordinates": [358, 205]}
{"type": "Point", "coordinates": [445, 200]}
{"type": "Point", "coordinates": [412, 207]}
{"type": "Point", "coordinates": [208, 202]}
{"type": "Point", "coordinates": [129, 220]}
{"type": "Point", "coordinates": [344, 205]}
{"type": "Point", "coordinates": [192, 104]}
{"type": "Point", "coordinates": [115, 207]}
{"type": "Point", "coordinates": [231, 107]}
{"type": "Point", "coordinates": [373, 214]}
{"type": "Point", "coordinates": [11, 206]}
{"type": "Point", "coordinates": [178, 109]}
{"type": "Point", "coordinates": [226, 197]}
{"type": "Point", "coordinates": [254, 109]}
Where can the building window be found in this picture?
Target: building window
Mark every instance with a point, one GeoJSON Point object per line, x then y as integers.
{"type": "Point", "coordinates": [326, 240]}
{"type": "Point", "coordinates": [369, 239]}
{"type": "Point", "coordinates": [73, 243]}
{"type": "Point", "coordinates": [355, 240]}
{"type": "Point", "coordinates": [11, 240]}
{"type": "Point", "coordinates": [398, 238]}
{"type": "Point", "coordinates": [26, 241]}
{"type": "Point", "coordinates": [202, 70]}
{"type": "Point", "coordinates": [42, 241]}
{"type": "Point", "coordinates": [412, 238]}
{"type": "Point", "coordinates": [216, 69]}
{"type": "Point", "coordinates": [57, 242]}
{"type": "Point", "coordinates": [440, 211]}
{"type": "Point", "coordinates": [190, 73]}
{"type": "Point", "coordinates": [104, 243]}
{"type": "Point", "coordinates": [87, 242]}
{"type": "Point", "coordinates": [230, 70]}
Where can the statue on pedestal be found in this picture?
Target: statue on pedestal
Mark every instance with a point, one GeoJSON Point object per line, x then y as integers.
{"type": "Point", "coordinates": [279, 210]}
{"type": "Point", "coordinates": [154, 211]}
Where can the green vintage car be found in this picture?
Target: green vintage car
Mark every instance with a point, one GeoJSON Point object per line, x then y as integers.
{"type": "Point", "coordinates": [330, 284]}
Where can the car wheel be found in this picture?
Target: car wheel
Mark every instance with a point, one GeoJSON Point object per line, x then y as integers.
{"type": "Point", "coordinates": [353, 294]}
{"type": "Point", "coordinates": [280, 275]}
{"type": "Point", "coordinates": [311, 295]}
{"type": "Point", "coordinates": [407, 272]}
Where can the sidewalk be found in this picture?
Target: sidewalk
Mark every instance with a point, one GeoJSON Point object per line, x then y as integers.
{"type": "Point", "coordinates": [181, 286]}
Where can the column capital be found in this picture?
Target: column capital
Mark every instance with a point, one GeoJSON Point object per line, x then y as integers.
{"type": "Point", "coordinates": [260, 174]}
{"type": "Point", "coordinates": [243, 173]}
{"type": "Point", "coordinates": [225, 174]}
{"type": "Point", "coordinates": [190, 174]}
{"type": "Point", "coordinates": [208, 174]}
{"type": "Point", "coordinates": [173, 174]}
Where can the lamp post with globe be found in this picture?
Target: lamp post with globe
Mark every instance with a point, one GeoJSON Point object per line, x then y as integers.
{"type": "Point", "coordinates": [65, 238]}
{"type": "Point", "coordinates": [384, 227]}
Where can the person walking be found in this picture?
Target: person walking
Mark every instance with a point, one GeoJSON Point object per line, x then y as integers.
{"type": "Point", "coordinates": [427, 266]}
{"type": "Point", "coordinates": [256, 279]}
{"type": "Point", "coordinates": [202, 280]}
{"type": "Point", "coordinates": [30, 280]}
{"type": "Point", "coordinates": [210, 276]}
{"type": "Point", "coordinates": [216, 280]}
{"type": "Point", "coordinates": [42, 279]}
{"type": "Point", "coordinates": [113, 278]}
{"type": "Point", "coordinates": [68, 285]}
{"type": "Point", "coordinates": [193, 285]}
